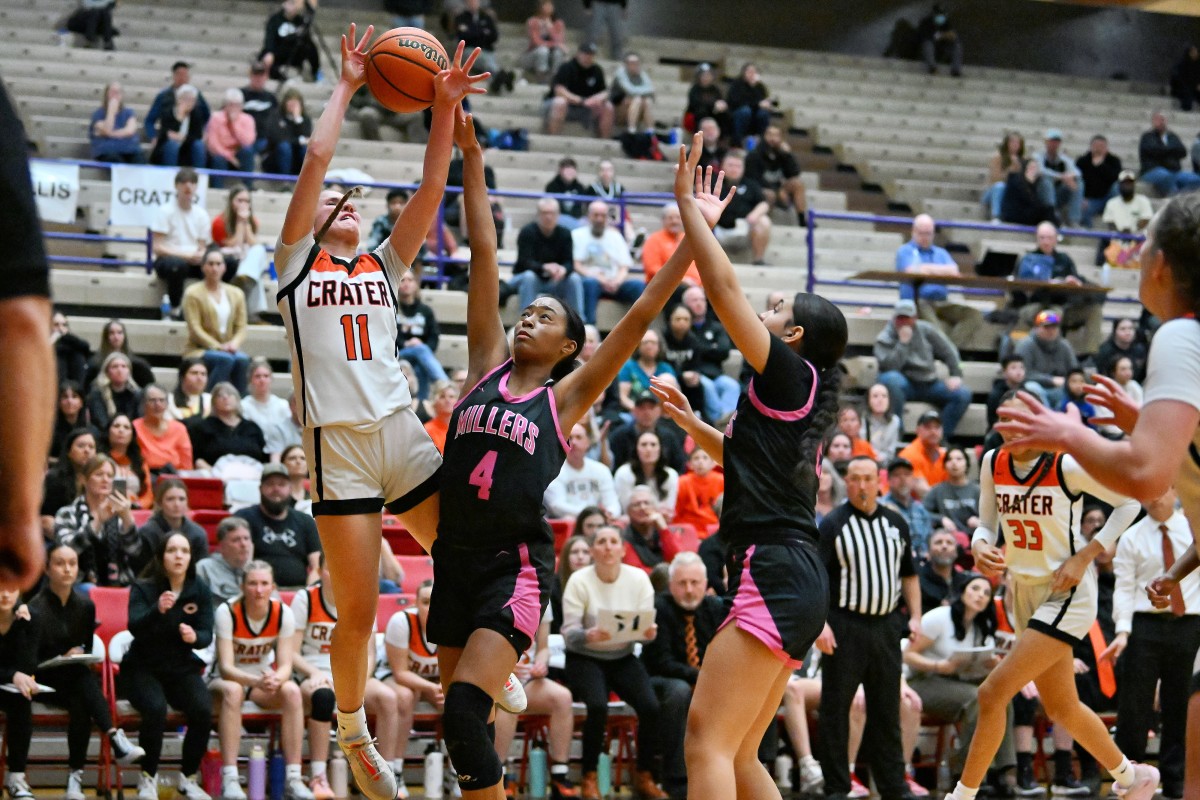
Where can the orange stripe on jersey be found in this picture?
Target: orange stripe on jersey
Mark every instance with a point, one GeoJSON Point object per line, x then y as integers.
{"type": "Point", "coordinates": [316, 606]}
{"type": "Point", "coordinates": [359, 265]}
{"type": "Point", "coordinates": [241, 621]}
{"type": "Point", "coordinates": [1002, 623]}
{"type": "Point", "coordinates": [416, 638]}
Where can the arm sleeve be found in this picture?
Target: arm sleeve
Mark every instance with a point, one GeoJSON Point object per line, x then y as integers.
{"type": "Point", "coordinates": [204, 617]}
{"type": "Point", "coordinates": [143, 611]}
{"type": "Point", "coordinates": [943, 349]}
{"type": "Point", "coordinates": [988, 517]}
{"type": "Point", "coordinates": [890, 352]}
{"type": "Point", "coordinates": [574, 601]}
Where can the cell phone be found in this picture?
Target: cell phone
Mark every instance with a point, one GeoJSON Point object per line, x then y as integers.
{"type": "Point", "coordinates": [120, 486]}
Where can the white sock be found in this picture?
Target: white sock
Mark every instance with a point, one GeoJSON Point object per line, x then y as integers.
{"type": "Point", "coordinates": [806, 760]}
{"type": "Point", "coordinates": [318, 768]}
{"type": "Point", "coordinates": [352, 724]}
{"type": "Point", "coordinates": [965, 792]}
{"type": "Point", "coordinates": [558, 769]}
{"type": "Point", "coordinates": [292, 771]}
{"type": "Point", "coordinates": [1123, 773]}
{"type": "Point", "coordinates": [229, 771]}
{"type": "Point", "coordinates": [398, 766]}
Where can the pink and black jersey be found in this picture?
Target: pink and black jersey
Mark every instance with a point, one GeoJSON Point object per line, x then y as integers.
{"type": "Point", "coordinates": [766, 497]}
{"type": "Point", "coordinates": [502, 451]}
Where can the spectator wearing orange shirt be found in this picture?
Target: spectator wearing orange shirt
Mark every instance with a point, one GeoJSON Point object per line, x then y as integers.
{"type": "Point", "coordinates": [850, 423]}
{"type": "Point", "coordinates": [927, 454]}
{"type": "Point", "coordinates": [699, 490]}
{"type": "Point", "coordinates": [164, 441]}
{"type": "Point", "coordinates": [660, 244]}
{"type": "Point", "coordinates": [445, 397]}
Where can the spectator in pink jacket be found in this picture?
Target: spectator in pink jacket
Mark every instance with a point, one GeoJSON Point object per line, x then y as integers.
{"type": "Point", "coordinates": [229, 137]}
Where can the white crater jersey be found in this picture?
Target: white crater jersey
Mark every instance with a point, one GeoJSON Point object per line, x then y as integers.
{"type": "Point", "coordinates": [1037, 507]}
{"type": "Point", "coordinates": [316, 619]}
{"type": "Point", "coordinates": [254, 640]}
{"type": "Point", "coordinates": [404, 630]}
{"type": "Point", "coordinates": [341, 323]}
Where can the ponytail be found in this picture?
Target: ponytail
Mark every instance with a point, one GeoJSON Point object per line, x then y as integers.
{"type": "Point", "coordinates": [821, 423]}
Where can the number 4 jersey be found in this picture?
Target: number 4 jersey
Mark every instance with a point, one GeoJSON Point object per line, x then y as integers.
{"type": "Point", "coordinates": [502, 451]}
{"type": "Point", "coordinates": [1036, 507]}
{"type": "Point", "coordinates": [341, 322]}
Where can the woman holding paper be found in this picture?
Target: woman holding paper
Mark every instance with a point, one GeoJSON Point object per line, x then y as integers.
{"type": "Point", "coordinates": [18, 654]}
{"type": "Point", "coordinates": [950, 656]}
{"type": "Point", "coordinates": [66, 619]}
{"type": "Point", "coordinates": [600, 655]}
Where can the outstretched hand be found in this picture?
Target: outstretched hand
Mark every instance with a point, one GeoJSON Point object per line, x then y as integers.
{"type": "Point", "coordinates": [464, 131]}
{"type": "Point", "coordinates": [354, 57]}
{"type": "Point", "coordinates": [690, 178]}
{"type": "Point", "coordinates": [1107, 393]}
{"type": "Point", "coordinates": [675, 404]}
{"type": "Point", "coordinates": [451, 85]}
{"type": "Point", "coordinates": [1036, 427]}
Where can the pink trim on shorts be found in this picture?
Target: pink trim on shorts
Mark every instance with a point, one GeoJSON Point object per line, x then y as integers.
{"type": "Point", "coordinates": [785, 416]}
{"type": "Point", "coordinates": [750, 613]}
{"type": "Point", "coordinates": [481, 381]}
{"type": "Point", "coordinates": [526, 597]}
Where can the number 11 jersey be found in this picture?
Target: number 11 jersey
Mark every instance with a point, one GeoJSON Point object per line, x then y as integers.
{"type": "Point", "coordinates": [340, 318]}
{"type": "Point", "coordinates": [502, 451]}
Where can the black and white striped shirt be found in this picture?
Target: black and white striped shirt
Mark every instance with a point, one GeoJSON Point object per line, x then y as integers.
{"type": "Point", "coordinates": [866, 557]}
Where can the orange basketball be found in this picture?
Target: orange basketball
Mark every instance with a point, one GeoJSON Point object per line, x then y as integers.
{"type": "Point", "coordinates": [400, 69]}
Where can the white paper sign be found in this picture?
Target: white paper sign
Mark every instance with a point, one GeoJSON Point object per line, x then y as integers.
{"type": "Point", "coordinates": [56, 190]}
{"type": "Point", "coordinates": [138, 192]}
{"type": "Point", "coordinates": [625, 626]}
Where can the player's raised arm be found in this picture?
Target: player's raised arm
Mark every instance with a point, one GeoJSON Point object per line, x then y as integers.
{"type": "Point", "coordinates": [450, 86]}
{"type": "Point", "coordinates": [576, 392]}
{"type": "Point", "coordinates": [721, 287]}
{"type": "Point", "coordinates": [303, 206]}
{"type": "Point", "coordinates": [487, 346]}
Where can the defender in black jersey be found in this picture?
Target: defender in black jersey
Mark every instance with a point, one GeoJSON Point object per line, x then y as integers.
{"type": "Point", "coordinates": [777, 595]}
{"type": "Point", "coordinates": [494, 556]}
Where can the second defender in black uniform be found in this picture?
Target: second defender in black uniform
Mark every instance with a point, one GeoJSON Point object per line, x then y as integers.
{"type": "Point", "coordinates": [494, 554]}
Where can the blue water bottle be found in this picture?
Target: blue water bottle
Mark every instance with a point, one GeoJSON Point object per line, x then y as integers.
{"type": "Point", "coordinates": [278, 775]}
{"type": "Point", "coordinates": [165, 307]}
{"type": "Point", "coordinates": [537, 773]}
{"type": "Point", "coordinates": [604, 774]}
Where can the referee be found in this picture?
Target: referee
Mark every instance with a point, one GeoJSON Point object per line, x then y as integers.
{"type": "Point", "coordinates": [868, 553]}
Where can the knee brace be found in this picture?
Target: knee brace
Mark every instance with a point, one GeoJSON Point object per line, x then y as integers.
{"type": "Point", "coordinates": [323, 704]}
{"type": "Point", "coordinates": [464, 724]}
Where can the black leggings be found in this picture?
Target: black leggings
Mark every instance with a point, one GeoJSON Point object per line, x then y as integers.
{"type": "Point", "coordinates": [590, 680]}
{"type": "Point", "coordinates": [18, 722]}
{"type": "Point", "coordinates": [150, 692]}
{"type": "Point", "coordinates": [77, 689]}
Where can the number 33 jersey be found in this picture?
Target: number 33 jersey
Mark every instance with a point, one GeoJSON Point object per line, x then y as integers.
{"type": "Point", "coordinates": [502, 451]}
{"type": "Point", "coordinates": [340, 318]}
{"type": "Point", "coordinates": [1036, 508]}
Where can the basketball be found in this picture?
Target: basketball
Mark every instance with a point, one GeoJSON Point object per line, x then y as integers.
{"type": "Point", "coordinates": [400, 69]}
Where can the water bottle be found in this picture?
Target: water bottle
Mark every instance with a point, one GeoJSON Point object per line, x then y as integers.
{"type": "Point", "coordinates": [434, 772]}
{"type": "Point", "coordinates": [339, 781]}
{"type": "Point", "coordinates": [257, 788]}
{"type": "Point", "coordinates": [210, 772]}
{"type": "Point", "coordinates": [278, 775]}
{"type": "Point", "coordinates": [783, 772]}
{"type": "Point", "coordinates": [944, 783]}
{"type": "Point", "coordinates": [165, 306]}
{"type": "Point", "coordinates": [537, 773]}
{"type": "Point", "coordinates": [604, 774]}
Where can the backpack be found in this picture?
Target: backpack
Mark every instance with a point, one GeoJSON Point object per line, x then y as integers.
{"type": "Point", "coordinates": [642, 146]}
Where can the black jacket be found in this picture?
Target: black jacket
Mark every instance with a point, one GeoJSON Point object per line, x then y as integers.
{"type": "Point", "coordinates": [535, 249]}
{"type": "Point", "coordinates": [157, 645]}
{"type": "Point", "coordinates": [62, 626]}
{"type": "Point", "coordinates": [666, 656]}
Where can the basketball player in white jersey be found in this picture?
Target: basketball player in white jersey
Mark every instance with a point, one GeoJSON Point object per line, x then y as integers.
{"type": "Point", "coordinates": [1034, 498]}
{"type": "Point", "coordinates": [252, 631]}
{"type": "Point", "coordinates": [365, 446]}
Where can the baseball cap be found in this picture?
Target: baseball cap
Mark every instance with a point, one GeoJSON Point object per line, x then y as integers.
{"type": "Point", "coordinates": [1046, 318]}
{"type": "Point", "coordinates": [905, 308]}
{"type": "Point", "coordinates": [646, 396]}
{"type": "Point", "coordinates": [1054, 133]}
{"type": "Point", "coordinates": [588, 47]}
{"type": "Point", "coordinates": [898, 463]}
{"type": "Point", "coordinates": [1127, 175]}
{"type": "Point", "coordinates": [929, 416]}
{"type": "Point", "coordinates": [271, 470]}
